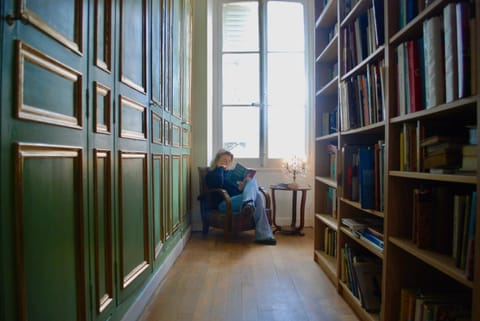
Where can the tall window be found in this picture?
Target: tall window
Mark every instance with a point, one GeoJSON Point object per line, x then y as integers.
{"type": "Point", "coordinates": [262, 79]}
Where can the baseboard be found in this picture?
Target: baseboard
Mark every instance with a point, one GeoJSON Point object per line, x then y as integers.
{"type": "Point", "coordinates": [138, 307]}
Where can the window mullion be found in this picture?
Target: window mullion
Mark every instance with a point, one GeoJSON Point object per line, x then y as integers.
{"type": "Point", "coordinates": [263, 81]}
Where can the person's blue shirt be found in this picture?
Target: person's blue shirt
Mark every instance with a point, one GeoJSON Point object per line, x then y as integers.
{"type": "Point", "coordinates": [220, 178]}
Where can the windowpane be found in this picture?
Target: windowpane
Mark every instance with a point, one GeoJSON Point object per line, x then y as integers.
{"type": "Point", "coordinates": [241, 126]}
{"type": "Point", "coordinates": [240, 26]}
{"type": "Point", "coordinates": [286, 131]}
{"type": "Point", "coordinates": [240, 79]}
{"type": "Point", "coordinates": [287, 99]}
{"type": "Point", "coordinates": [285, 26]}
{"type": "Point", "coordinates": [286, 79]}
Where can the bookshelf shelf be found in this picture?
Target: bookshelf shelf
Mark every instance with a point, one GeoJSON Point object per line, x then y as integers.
{"type": "Point", "coordinates": [464, 179]}
{"type": "Point", "coordinates": [441, 262]}
{"type": "Point", "coordinates": [414, 28]}
{"type": "Point", "coordinates": [328, 264]}
{"type": "Point", "coordinates": [356, 305]}
{"type": "Point", "coordinates": [330, 88]}
{"type": "Point", "coordinates": [358, 206]}
{"type": "Point", "coordinates": [386, 100]}
{"type": "Point", "coordinates": [355, 12]}
{"type": "Point", "coordinates": [370, 129]}
{"type": "Point", "coordinates": [328, 15]}
{"type": "Point", "coordinates": [326, 138]}
{"type": "Point", "coordinates": [376, 55]}
{"type": "Point", "coordinates": [465, 106]}
{"type": "Point", "coordinates": [327, 181]}
{"type": "Point", "coordinates": [328, 220]}
{"type": "Point", "coordinates": [367, 245]}
{"type": "Point", "coordinates": [330, 51]}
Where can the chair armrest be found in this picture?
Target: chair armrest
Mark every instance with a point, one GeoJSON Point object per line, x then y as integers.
{"type": "Point", "coordinates": [266, 195]}
{"type": "Point", "coordinates": [209, 193]}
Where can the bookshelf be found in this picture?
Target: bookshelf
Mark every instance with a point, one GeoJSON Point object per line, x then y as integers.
{"type": "Point", "coordinates": [408, 117]}
{"type": "Point", "coordinates": [326, 133]}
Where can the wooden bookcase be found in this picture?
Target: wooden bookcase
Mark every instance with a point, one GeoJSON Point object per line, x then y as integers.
{"type": "Point", "coordinates": [386, 125]}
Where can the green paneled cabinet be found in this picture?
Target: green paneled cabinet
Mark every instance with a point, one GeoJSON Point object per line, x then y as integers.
{"type": "Point", "coordinates": [95, 153]}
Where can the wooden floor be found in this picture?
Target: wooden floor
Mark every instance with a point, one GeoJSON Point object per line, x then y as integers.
{"type": "Point", "coordinates": [243, 281]}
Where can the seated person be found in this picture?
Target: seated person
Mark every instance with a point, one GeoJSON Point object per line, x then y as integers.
{"type": "Point", "coordinates": [244, 195]}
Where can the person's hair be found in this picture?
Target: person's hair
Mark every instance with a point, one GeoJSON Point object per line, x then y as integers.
{"type": "Point", "coordinates": [221, 152]}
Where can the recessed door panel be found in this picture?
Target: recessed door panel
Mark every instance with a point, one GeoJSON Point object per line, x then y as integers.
{"type": "Point", "coordinates": [133, 212]}
{"type": "Point", "coordinates": [49, 233]}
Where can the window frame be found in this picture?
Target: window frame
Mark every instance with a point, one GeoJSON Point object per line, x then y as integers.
{"type": "Point", "coordinates": [217, 110]}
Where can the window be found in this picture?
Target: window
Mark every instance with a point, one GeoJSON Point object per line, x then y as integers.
{"type": "Point", "coordinates": [262, 79]}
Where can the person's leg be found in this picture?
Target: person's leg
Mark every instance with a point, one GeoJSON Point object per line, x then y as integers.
{"type": "Point", "coordinates": [250, 191]}
{"type": "Point", "coordinates": [237, 202]}
{"type": "Point", "coordinates": [263, 231]}
{"type": "Point", "coordinates": [248, 195]}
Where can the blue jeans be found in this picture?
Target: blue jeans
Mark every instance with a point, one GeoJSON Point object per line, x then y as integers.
{"type": "Point", "coordinates": [251, 193]}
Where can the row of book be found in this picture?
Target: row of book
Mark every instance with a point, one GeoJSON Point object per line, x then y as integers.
{"type": "Point", "coordinates": [362, 273]}
{"type": "Point", "coordinates": [332, 201]}
{"type": "Point", "coordinates": [330, 241]}
{"type": "Point", "coordinates": [409, 9]}
{"type": "Point", "coordinates": [364, 174]}
{"type": "Point", "coordinates": [329, 122]}
{"type": "Point", "coordinates": [437, 152]}
{"type": "Point", "coordinates": [445, 223]}
{"type": "Point", "coordinates": [417, 304]}
{"type": "Point", "coordinates": [332, 159]}
{"type": "Point", "coordinates": [362, 37]}
{"type": "Point", "coordinates": [362, 98]}
{"type": "Point", "coordinates": [436, 68]}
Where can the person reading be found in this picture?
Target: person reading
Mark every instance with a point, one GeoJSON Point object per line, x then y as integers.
{"type": "Point", "coordinates": [244, 193]}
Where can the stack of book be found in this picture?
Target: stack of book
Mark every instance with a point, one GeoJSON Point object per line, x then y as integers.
{"type": "Point", "coordinates": [441, 152]}
{"type": "Point", "coordinates": [418, 304]}
{"type": "Point", "coordinates": [469, 158]}
{"type": "Point", "coordinates": [368, 229]}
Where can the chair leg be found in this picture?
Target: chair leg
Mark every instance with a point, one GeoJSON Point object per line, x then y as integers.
{"type": "Point", "coordinates": [205, 221]}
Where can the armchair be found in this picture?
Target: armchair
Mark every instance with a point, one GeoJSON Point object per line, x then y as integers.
{"type": "Point", "coordinates": [230, 222]}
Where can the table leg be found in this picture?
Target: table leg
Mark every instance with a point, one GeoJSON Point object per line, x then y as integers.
{"type": "Point", "coordinates": [274, 213]}
{"type": "Point", "coordinates": [294, 209]}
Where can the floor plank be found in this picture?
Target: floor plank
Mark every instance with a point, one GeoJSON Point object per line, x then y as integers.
{"type": "Point", "coordinates": [242, 281]}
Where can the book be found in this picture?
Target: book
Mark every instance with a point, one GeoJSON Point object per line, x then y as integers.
{"type": "Point", "coordinates": [463, 49]}
{"type": "Point", "coordinates": [433, 51]}
{"type": "Point", "coordinates": [447, 160]}
{"type": "Point", "coordinates": [368, 273]}
{"type": "Point", "coordinates": [414, 76]}
{"type": "Point", "coordinates": [422, 227]}
{"type": "Point", "coordinates": [450, 43]}
{"type": "Point", "coordinates": [458, 216]}
{"type": "Point", "coordinates": [378, 22]}
{"type": "Point", "coordinates": [442, 219]}
{"type": "Point", "coordinates": [462, 246]}
{"type": "Point", "coordinates": [372, 239]}
{"type": "Point", "coordinates": [239, 173]}
{"type": "Point", "coordinates": [469, 260]}
{"type": "Point", "coordinates": [367, 178]}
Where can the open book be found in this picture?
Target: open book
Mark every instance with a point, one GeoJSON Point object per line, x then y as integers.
{"type": "Point", "coordinates": [240, 173]}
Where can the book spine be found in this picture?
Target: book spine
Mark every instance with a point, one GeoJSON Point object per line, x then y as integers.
{"type": "Point", "coordinates": [435, 81]}
{"type": "Point", "coordinates": [463, 49]}
{"type": "Point", "coordinates": [450, 43]}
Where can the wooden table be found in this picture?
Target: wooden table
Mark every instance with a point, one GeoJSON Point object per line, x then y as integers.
{"type": "Point", "coordinates": [293, 228]}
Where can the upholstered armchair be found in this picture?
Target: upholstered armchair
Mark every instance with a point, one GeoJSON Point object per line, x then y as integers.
{"type": "Point", "coordinates": [230, 222]}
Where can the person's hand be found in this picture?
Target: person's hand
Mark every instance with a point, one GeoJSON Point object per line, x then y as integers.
{"type": "Point", "coordinates": [241, 185]}
{"type": "Point", "coordinates": [224, 161]}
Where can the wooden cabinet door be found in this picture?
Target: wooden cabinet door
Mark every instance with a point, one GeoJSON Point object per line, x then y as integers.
{"type": "Point", "coordinates": [44, 161]}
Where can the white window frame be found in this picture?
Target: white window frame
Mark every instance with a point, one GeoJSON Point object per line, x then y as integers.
{"type": "Point", "coordinates": [262, 161]}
